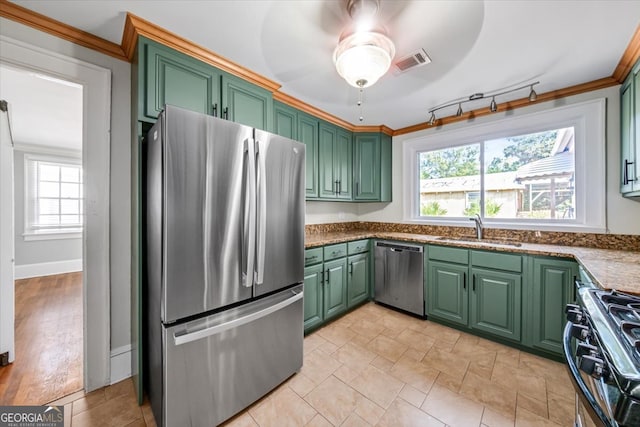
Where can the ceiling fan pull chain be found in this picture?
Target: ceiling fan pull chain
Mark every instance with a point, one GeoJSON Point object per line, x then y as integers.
{"type": "Point", "coordinates": [360, 94]}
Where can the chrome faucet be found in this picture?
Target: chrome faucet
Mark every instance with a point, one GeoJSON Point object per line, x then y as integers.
{"type": "Point", "coordinates": [479, 226]}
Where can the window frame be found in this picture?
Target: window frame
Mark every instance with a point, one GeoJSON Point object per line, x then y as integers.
{"type": "Point", "coordinates": [52, 233]}
{"type": "Point", "coordinates": [588, 120]}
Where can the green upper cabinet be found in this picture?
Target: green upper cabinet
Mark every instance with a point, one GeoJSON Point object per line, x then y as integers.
{"type": "Point", "coordinates": [553, 283]}
{"type": "Point", "coordinates": [344, 163]}
{"type": "Point", "coordinates": [630, 134]}
{"type": "Point", "coordinates": [173, 78]}
{"type": "Point", "coordinates": [372, 167]}
{"type": "Point", "coordinates": [496, 302]}
{"type": "Point", "coordinates": [285, 120]}
{"type": "Point", "coordinates": [308, 134]}
{"type": "Point", "coordinates": [246, 103]}
{"type": "Point", "coordinates": [335, 157]}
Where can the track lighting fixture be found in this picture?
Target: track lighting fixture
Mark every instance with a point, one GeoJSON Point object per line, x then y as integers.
{"type": "Point", "coordinates": [493, 106]}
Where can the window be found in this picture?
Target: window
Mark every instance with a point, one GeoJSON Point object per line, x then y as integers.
{"type": "Point", "coordinates": [53, 195]}
{"type": "Point", "coordinates": [544, 168]}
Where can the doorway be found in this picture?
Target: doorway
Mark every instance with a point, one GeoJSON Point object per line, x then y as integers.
{"type": "Point", "coordinates": [94, 259]}
{"type": "Point", "coordinates": [48, 212]}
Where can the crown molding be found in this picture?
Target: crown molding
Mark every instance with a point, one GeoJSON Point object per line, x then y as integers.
{"type": "Point", "coordinates": [629, 57]}
{"type": "Point", "coordinates": [56, 28]}
{"type": "Point", "coordinates": [512, 105]}
{"type": "Point", "coordinates": [136, 26]}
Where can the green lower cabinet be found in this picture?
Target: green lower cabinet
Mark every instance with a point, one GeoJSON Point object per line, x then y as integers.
{"type": "Point", "coordinates": [335, 287]}
{"type": "Point", "coordinates": [496, 302]}
{"type": "Point", "coordinates": [446, 291]}
{"type": "Point", "coordinates": [552, 288]}
{"type": "Point", "coordinates": [313, 313]}
{"type": "Point", "coordinates": [358, 279]}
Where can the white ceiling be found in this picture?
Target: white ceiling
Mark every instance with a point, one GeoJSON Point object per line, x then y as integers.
{"type": "Point", "coordinates": [43, 110]}
{"type": "Point", "coordinates": [475, 46]}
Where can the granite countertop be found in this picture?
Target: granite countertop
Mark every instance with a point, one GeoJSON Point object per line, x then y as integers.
{"type": "Point", "coordinates": [610, 269]}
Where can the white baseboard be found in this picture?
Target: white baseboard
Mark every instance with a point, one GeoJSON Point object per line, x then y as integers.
{"type": "Point", "coordinates": [120, 363]}
{"type": "Point", "coordinates": [47, 268]}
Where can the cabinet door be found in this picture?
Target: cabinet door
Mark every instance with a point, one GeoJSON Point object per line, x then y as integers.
{"type": "Point", "coordinates": [335, 287]}
{"type": "Point", "coordinates": [246, 103]}
{"type": "Point", "coordinates": [447, 291]}
{"type": "Point", "coordinates": [343, 163]}
{"type": "Point", "coordinates": [496, 302]}
{"type": "Point", "coordinates": [313, 313]}
{"type": "Point", "coordinates": [327, 146]}
{"type": "Point", "coordinates": [176, 79]}
{"type": "Point", "coordinates": [552, 290]}
{"type": "Point", "coordinates": [308, 134]}
{"type": "Point", "coordinates": [626, 137]}
{"type": "Point", "coordinates": [285, 120]}
{"type": "Point", "coordinates": [358, 279]}
{"type": "Point", "coordinates": [635, 150]}
{"type": "Point", "coordinates": [366, 166]}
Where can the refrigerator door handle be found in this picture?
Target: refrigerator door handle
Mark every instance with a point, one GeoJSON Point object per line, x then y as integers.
{"type": "Point", "coordinates": [249, 212]}
{"type": "Point", "coordinates": [262, 210]}
{"type": "Point", "coordinates": [180, 338]}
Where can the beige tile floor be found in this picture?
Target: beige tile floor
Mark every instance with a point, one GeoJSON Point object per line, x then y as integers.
{"type": "Point", "coordinates": [377, 367]}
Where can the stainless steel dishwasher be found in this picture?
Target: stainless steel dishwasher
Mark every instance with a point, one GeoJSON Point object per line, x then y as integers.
{"type": "Point", "coordinates": [398, 276]}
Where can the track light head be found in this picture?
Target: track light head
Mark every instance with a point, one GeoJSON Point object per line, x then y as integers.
{"type": "Point", "coordinates": [432, 119]}
{"type": "Point", "coordinates": [459, 112]}
{"type": "Point", "coordinates": [532, 95]}
{"type": "Point", "coordinates": [493, 107]}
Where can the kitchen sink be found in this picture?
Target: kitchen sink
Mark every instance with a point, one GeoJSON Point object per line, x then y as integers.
{"type": "Point", "coordinates": [505, 242]}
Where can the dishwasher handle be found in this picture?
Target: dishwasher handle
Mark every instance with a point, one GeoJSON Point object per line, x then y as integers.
{"type": "Point", "coordinates": [395, 247]}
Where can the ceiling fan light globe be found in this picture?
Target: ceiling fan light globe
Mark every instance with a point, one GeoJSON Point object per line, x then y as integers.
{"type": "Point", "coordinates": [363, 57]}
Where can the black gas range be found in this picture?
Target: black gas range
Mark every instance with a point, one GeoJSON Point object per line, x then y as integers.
{"type": "Point", "coordinates": [602, 348]}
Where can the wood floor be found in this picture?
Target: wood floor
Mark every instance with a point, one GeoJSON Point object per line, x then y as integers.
{"type": "Point", "coordinates": [48, 335]}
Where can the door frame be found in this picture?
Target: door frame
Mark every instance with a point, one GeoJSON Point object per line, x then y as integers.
{"type": "Point", "coordinates": [96, 110]}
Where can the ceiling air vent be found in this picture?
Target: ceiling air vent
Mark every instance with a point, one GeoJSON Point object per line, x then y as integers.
{"type": "Point", "coordinates": [412, 60]}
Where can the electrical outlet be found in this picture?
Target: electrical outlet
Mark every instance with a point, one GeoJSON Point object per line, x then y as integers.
{"type": "Point", "coordinates": [4, 358]}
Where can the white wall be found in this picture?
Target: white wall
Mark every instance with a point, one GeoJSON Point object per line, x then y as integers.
{"type": "Point", "coordinates": [36, 251]}
{"type": "Point", "coordinates": [120, 167]}
{"type": "Point", "coordinates": [326, 212]}
{"type": "Point", "coordinates": [622, 214]}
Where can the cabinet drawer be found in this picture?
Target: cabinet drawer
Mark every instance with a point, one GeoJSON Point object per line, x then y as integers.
{"type": "Point", "coordinates": [497, 261]}
{"type": "Point", "coordinates": [358, 246]}
{"type": "Point", "coordinates": [335, 251]}
{"type": "Point", "coordinates": [448, 254]}
{"type": "Point", "coordinates": [312, 256]}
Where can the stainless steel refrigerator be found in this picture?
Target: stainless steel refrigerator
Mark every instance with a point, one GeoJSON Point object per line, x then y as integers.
{"type": "Point", "coordinates": [224, 259]}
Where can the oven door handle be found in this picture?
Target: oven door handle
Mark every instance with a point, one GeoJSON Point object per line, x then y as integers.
{"type": "Point", "coordinates": [579, 383]}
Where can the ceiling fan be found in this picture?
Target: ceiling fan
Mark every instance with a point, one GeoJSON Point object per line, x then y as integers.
{"type": "Point", "coordinates": [364, 52]}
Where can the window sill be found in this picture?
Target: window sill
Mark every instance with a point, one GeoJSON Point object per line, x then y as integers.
{"type": "Point", "coordinates": [52, 235]}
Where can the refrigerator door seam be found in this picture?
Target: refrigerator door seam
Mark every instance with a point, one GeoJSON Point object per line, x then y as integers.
{"type": "Point", "coordinates": [250, 213]}
{"type": "Point", "coordinates": [194, 336]}
{"type": "Point", "coordinates": [262, 210]}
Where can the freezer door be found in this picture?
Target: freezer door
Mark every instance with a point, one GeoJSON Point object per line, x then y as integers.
{"type": "Point", "coordinates": [206, 174]}
{"type": "Point", "coordinates": [217, 366]}
{"type": "Point", "coordinates": [280, 191]}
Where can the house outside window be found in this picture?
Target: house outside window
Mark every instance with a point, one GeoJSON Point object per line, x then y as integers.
{"type": "Point", "coordinates": [53, 197]}
{"type": "Point", "coordinates": [545, 169]}
{"type": "Point", "coordinates": [525, 176]}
